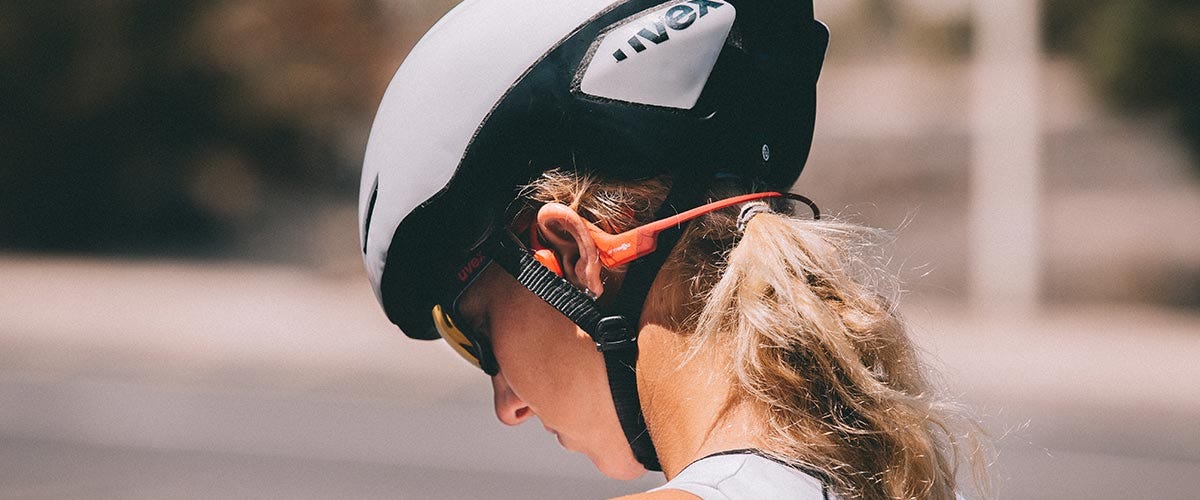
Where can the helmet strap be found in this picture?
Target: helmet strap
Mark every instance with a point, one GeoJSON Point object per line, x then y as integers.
{"type": "Point", "coordinates": [627, 305]}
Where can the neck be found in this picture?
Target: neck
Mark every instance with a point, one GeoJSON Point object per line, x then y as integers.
{"type": "Point", "coordinates": [687, 403]}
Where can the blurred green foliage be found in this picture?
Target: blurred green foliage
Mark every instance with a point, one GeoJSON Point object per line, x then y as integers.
{"type": "Point", "coordinates": [95, 126]}
{"type": "Point", "coordinates": [1144, 55]}
{"type": "Point", "coordinates": [152, 126]}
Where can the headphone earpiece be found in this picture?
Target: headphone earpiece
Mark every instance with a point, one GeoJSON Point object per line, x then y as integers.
{"type": "Point", "coordinates": [542, 254]}
{"type": "Point", "coordinates": [547, 258]}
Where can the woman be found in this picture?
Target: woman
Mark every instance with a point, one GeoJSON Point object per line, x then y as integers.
{"type": "Point", "coordinates": [585, 199]}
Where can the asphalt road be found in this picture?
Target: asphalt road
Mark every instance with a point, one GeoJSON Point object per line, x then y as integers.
{"type": "Point", "coordinates": [166, 380]}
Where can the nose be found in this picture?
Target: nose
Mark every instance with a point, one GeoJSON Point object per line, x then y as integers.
{"type": "Point", "coordinates": [509, 408]}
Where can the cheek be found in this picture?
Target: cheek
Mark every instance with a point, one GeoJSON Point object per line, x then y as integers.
{"type": "Point", "coordinates": [557, 371]}
{"type": "Point", "coordinates": [550, 365]}
{"type": "Point", "coordinates": [536, 347]}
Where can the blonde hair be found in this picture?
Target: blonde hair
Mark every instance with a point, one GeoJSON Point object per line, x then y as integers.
{"type": "Point", "coordinates": [810, 340]}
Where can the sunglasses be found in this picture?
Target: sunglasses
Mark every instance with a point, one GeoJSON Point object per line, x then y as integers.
{"type": "Point", "coordinates": [456, 330]}
{"type": "Point", "coordinates": [615, 250]}
{"type": "Point", "coordinates": [472, 346]}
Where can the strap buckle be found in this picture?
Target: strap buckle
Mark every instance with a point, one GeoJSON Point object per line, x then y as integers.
{"type": "Point", "coordinates": [614, 333]}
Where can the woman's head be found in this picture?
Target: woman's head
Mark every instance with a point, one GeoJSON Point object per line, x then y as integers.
{"type": "Point", "coordinates": [500, 92]}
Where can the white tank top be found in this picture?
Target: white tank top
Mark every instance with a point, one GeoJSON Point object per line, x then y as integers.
{"type": "Point", "coordinates": [744, 474]}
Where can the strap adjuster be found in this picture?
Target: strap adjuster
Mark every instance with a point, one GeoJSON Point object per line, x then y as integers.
{"type": "Point", "coordinates": [613, 333]}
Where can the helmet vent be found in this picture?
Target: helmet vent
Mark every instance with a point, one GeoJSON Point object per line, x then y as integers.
{"type": "Point", "coordinates": [370, 211]}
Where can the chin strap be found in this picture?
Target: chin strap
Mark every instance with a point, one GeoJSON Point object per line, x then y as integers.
{"type": "Point", "coordinates": [627, 305]}
{"type": "Point", "coordinates": [615, 334]}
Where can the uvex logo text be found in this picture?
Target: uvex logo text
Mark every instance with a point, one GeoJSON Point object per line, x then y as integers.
{"type": "Point", "coordinates": [473, 265]}
{"type": "Point", "coordinates": [677, 18]}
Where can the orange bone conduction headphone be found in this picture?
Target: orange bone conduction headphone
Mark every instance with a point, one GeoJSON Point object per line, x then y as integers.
{"type": "Point", "coordinates": [619, 249]}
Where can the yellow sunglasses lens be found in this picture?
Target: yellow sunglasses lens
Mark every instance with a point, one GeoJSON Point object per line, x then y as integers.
{"type": "Point", "coordinates": [455, 337]}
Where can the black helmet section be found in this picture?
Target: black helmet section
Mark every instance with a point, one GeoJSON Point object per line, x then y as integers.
{"type": "Point", "coordinates": [761, 92]}
{"type": "Point", "coordinates": [753, 119]}
{"type": "Point", "coordinates": [428, 253]}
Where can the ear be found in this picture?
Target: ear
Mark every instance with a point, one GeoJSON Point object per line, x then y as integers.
{"type": "Point", "coordinates": [566, 233]}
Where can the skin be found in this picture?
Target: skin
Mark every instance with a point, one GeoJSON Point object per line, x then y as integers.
{"type": "Point", "coordinates": [550, 369]}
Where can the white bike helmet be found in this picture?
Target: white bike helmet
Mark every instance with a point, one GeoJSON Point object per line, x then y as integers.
{"type": "Point", "coordinates": [500, 91]}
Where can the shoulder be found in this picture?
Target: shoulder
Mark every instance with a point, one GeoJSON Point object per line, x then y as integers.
{"type": "Point", "coordinates": [744, 475]}
{"type": "Point", "coordinates": [661, 495]}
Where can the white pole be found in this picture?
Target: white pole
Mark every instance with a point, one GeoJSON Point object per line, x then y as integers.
{"type": "Point", "coordinates": [1005, 184]}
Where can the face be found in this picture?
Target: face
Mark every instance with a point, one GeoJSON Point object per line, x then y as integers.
{"type": "Point", "coordinates": [549, 369]}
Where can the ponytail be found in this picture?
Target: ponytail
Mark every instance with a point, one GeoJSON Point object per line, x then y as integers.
{"type": "Point", "coordinates": [827, 358]}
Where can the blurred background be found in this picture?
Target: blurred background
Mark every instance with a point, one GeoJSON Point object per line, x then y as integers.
{"type": "Point", "coordinates": [183, 311]}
